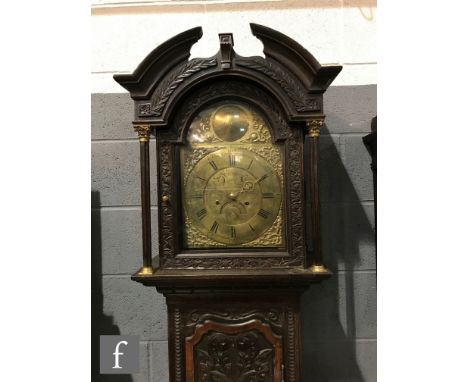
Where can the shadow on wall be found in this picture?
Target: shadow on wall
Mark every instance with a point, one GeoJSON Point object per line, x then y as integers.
{"type": "Point", "coordinates": [101, 324]}
{"type": "Point", "coordinates": [330, 319]}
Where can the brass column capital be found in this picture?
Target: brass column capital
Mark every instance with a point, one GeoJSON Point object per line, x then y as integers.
{"type": "Point", "coordinates": [143, 132]}
{"type": "Point", "coordinates": [314, 126]}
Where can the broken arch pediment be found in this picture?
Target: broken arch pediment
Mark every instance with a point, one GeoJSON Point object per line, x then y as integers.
{"type": "Point", "coordinates": [288, 72]}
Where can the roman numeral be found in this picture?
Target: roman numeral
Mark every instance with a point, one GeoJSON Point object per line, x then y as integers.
{"type": "Point", "coordinates": [196, 196]}
{"type": "Point", "coordinates": [233, 232]}
{"type": "Point", "coordinates": [250, 164]}
{"type": "Point", "coordinates": [252, 228]}
{"type": "Point", "coordinates": [268, 195]}
{"type": "Point", "coordinates": [264, 214]}
{"type": "Point", "coordinates": [213, 164]}
{"type": "Point", "coordinates": [199, 177]}
{"type": "Point", "coordinates": [263, 178]}
{"type": "Point", "coordinates": [214, 227]}
{"type": "Point", "coordinates": [202, 213]}
{"type": "Point", "coordinates": [232, 160]}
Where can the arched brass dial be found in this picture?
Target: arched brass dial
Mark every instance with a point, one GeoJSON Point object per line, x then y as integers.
{"type": "Point", "coordinates": [232, 195]}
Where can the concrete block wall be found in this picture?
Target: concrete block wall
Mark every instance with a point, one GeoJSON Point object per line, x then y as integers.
{"type": "Point", "coordinates": [339, 323]}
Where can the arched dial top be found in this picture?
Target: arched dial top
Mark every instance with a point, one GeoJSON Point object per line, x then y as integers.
{"type": "Point", "coordinates": [232, 180]}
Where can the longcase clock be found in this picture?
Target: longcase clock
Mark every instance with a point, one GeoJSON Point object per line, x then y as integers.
{"type": "Point", "coordinates": [238, 202]}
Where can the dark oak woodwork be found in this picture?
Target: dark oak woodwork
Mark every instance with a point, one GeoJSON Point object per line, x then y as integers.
{"type": "Point", "coordinates": [255, 352]}
{"type": "Point", "coordinates": [228, 278]}
{"type": "Point", "coordinates": [233, 314]}
{"type": "Point", "coordinates": [145, 203]}
{"type": "Point", "coordinates": [314, 183]}
{"type": "Point", "coordinates": [274, 316]}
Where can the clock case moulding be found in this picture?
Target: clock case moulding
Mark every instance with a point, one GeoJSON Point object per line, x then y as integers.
{"type": "Point", "coordinates": [287, 85]}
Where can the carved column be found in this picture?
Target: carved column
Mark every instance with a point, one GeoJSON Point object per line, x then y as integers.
{"type": "Point", "coordinates": [143, 135]}
{"type": "Point", "coordinates": [313, 133]}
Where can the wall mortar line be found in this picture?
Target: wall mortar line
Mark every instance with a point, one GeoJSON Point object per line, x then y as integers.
{"type": "Point", "coordinates": [150, 362]}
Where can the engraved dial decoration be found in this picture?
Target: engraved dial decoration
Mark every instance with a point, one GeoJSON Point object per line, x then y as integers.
{"type": "Point", "coordinates": [233, 196]}
{"type": "Point", "coordinates": [232, 180]}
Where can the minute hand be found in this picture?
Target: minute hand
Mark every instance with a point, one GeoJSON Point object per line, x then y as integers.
{"type": "Point", "coordinates": [263, 177]}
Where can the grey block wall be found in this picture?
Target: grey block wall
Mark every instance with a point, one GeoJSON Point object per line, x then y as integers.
{"type": "Point", "coordinates": [339, 320]}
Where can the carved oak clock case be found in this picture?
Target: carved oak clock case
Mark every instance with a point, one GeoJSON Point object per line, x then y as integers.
{"type": "Point", "coordinates": [238, 203]}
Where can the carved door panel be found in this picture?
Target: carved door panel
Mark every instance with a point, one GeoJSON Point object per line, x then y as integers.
{"type": "Point", "coordinates": [244, 352]}
{"type": "Point", "coordinates": [223, 337]}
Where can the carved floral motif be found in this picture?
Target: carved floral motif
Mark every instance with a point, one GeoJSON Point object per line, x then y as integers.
{"type": "Point", "coordinates": [167, 230]}
{"type": "Point", "coordinates": [240, 357]}
{"type": "Point", "coordinates": [144, 109]}
{"type": "Point", "coordinates": [217, 353]}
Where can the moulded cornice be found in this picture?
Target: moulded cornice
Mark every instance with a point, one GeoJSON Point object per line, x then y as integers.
{"type": "Point", "coordinates": [283, 49]}
{"type": "Point", "coordinates": [289, 73]}
{"type": "Point", "coordinates": [155, 66]}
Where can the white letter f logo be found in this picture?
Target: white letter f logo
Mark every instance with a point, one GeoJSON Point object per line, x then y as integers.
{"type": "Point", "coordinates": [117, 353]}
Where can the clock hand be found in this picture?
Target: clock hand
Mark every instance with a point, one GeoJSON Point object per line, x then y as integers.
{"type": "Point", "coordinates": [263, 177]}
{"type": "Point", "coordinates": [234, 195]}
{"type": "Point", "coordinates": [242, 189]}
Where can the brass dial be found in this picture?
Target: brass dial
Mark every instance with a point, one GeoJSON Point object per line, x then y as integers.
{"type": "Point", "coordinates": [232, 195]}
{"type": "Point", "coordinates": [230, 123]}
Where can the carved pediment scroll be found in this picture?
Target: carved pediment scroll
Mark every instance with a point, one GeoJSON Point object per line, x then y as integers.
{"type": "Point", "coordinates": [288, 72]}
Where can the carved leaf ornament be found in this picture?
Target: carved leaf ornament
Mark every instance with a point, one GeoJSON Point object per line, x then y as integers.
{"type": "Point", "coordinates": [235, 358]}
{"type": "Point", "coordinates": [171, 83]}
{"type": "Point", "coordinates": [288, 83]}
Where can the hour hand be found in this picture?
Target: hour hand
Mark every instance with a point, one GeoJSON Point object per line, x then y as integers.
{"type": "Point", "coordinates": [245, 187]}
